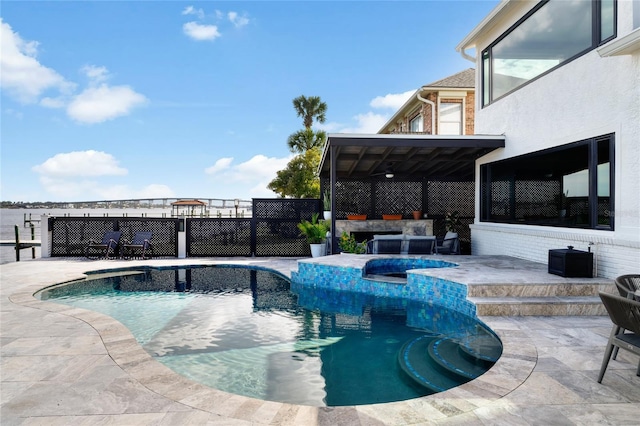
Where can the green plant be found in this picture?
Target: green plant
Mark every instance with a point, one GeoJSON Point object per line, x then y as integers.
{"type": "Point", "coordinates": [452, 221]}
{"type": "Point", "coordinates": [326, 200]}
{"type": "Point", "coordinates": [348, 244]}
{"type": "Point", "coordinates": [315, 231]}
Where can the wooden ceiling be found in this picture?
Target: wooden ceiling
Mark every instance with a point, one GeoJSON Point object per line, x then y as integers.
{"type": "Point", "coordinates": [412, 156]}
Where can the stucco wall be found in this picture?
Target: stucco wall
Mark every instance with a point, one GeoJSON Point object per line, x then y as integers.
{"type": "Point", "coordinates": [587, 97]}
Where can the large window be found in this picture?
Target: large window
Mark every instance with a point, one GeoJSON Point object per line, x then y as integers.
{"type": "Point", "coordinates": [553, 33]}
{"type": "Point", "coordinates": [415, 125]}
{"type": "Point", "coordinates": [450, 118]}
{"type": "Point", "coordinates": [570, 186]}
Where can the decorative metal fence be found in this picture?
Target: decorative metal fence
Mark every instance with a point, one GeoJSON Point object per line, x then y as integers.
{"type": "Point", "coordinates": [70, 235]}
{"type": "Point", "coordinates": [272, 231]}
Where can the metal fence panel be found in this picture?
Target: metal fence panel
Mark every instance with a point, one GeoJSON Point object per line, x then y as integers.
{"type": "Point", "coordinates": [218, 237]}
{"type": "Point", "coordinates": [70, 235]}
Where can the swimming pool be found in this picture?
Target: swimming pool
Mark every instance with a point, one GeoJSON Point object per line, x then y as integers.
{"type": "Point", "coordinates": [243, 331]}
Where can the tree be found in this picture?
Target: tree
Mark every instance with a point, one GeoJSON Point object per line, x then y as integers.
{"type": "Point", "coordinates": [304, 140]}
{"type": "Point", "coordinates": [309, 109]}
{"type": "Point", "coordinates": [299, 179]}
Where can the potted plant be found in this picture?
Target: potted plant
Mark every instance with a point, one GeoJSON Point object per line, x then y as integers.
{"type": "Point", "coordinates": [561, 202]}
{"type": "Point", "coordinates": [326, 203]}
{"type": "Point", "coordinates": [315, 232]}
{"type": "Point", "coordinates": [348, 244]}
{"type": "Point", "coordinates": [417, 214]}
{"type": "Point", "coordinates": [452, 221]}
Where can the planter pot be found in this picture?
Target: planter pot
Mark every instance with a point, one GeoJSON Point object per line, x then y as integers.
{"type": "Point", "coordinates": [391, 216]}
{"type": "Point", "coordinates": [327, 214]}
{"type": "Point", "coordinates": [316, 249]}
{"type": "Point", "coordinates": [417, 214]}
{"type": "Point", "coordinates": [357, 216]}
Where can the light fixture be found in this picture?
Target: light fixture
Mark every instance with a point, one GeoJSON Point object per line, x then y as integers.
{"type": "Point", "coordinates": [388, 173]}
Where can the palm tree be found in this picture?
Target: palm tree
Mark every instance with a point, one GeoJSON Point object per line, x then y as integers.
{"type": "Point", "coordinates": [309, 109]}
{"type": "Point", "coordinates": [304, 140]}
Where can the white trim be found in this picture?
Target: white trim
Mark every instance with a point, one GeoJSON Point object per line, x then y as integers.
{"type": "Point", "coordinates": [625, 45]}
{"type": "Point", "coordinates": [488, 21]}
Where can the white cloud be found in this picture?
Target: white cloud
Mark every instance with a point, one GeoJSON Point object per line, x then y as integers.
{"type": "Point", "coordinates": [21, 75]}
{"type": "Point", "coordinates": [201, 32]}
{"type": "Point", "coordinates": [237, 20]}
{"type": "Point", "coordinates": [75, 175]}
{"type": "Point", "coordinates": [190, 10]}
{"type": "Point", "coordinates": [391, 100]}
{"type": "Point", "coordinates": [249, 178]}
{"type": "Point", "coordinates": [52, 102]}
{"type": "Point", "coordinates": [102, 103]}
{"type": "Point", "coordinates": [366, 123]}
{"type": "Point", "coordinates": [80, 163]}
{"type": "Point", "coordinates": [96, 74]}
{"type": "Point", "coordinates": [220, 165]}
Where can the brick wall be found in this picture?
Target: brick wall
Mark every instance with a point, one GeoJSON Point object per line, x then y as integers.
{"type": "Point", "coordinates": [612, 257]}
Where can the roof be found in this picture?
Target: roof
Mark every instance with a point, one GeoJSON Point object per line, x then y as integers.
{"type": "Point", "coordinates": [188, 203]}
{"type": "Point", "coordinates": [361, 156]}
{"type": "Point", "coordinates": [463, 79]}
{"type": "Point", "coordinates": [487, 23]}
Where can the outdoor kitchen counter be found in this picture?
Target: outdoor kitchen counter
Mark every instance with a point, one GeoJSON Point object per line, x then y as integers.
{"type": "Point", "coordinates": [404, 226]}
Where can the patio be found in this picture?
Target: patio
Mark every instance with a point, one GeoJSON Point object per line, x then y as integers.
{"type": "Point", "coordinates": [62, 365]}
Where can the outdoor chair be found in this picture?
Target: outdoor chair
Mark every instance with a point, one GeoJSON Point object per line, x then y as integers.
{"type": "Point", "coordinates": [106, 248]}
{"type": "Point", "coordinates": [627, 285]}
{"type": "Point", "coordinates": [139, 246]}
{"type": "Point", "coordinates": [450, 244]}
{"type": "Point", "coordinates": [385, 246]}
{"type": "Point", "coordinates": [625, 315]}
{"type": "Point", "coordinates": [421, 245]}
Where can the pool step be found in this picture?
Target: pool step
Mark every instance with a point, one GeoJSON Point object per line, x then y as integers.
{"type": "Point", "coordinates": [440, 363]}
{"type": "Point", "coordinates": [573, 298]}
{"type": "Point", "coordinates": [546, 306]}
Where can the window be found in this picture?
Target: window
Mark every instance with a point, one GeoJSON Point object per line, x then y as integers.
{"type": "Point", "coordinates": [552, 34]}
{"type": "Point", "coordinates": [415, 125]}
{"type": "Point", "coordinates": [570, 186]}
{"type": "Point", "coordinates": [450, 118]}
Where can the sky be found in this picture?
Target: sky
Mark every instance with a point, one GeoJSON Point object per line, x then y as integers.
{"type": "Point", "coordinates": [110, 100]}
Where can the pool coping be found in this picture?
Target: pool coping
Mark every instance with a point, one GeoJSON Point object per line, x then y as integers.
{"type": "Point", "coordinates": [510, 371]}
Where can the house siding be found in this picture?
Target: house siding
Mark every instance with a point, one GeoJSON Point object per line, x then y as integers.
{"type": "Point", "coordinates": [588, 97]}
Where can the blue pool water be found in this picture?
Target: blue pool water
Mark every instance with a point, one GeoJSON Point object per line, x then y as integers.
{"type": "Point", "coordinates": [242, 330]}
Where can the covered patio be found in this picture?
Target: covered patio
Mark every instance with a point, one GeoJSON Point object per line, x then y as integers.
{"type": "Point", "coordinates": [397, 174]}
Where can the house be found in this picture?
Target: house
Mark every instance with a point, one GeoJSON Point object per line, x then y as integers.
{"type": "Point", "coordinates": [561, 81]}
{"type": "Point", "coordinates": [444, 107]}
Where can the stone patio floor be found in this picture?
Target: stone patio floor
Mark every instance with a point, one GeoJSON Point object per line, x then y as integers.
{"type": "Point", "coordinates": [67, 366]}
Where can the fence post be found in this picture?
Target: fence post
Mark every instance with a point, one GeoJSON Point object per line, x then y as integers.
{"type": "Point", "coordinates": [17, 244]}
{"type": "Point", "coordinates": [45, 236]}
{"type": "Point", "coordinates": [182, 239]}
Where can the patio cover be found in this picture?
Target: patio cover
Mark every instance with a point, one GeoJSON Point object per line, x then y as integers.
{"type": "Point", "coordinates": [415, 156]}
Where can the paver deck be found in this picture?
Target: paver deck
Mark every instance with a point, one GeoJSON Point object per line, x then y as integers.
{"type": "Point", "coordinates": [61, 365]}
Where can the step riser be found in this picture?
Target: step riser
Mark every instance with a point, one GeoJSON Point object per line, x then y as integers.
{"type": "Point", "coordinates": [540, 309]}
{"type": "Point", "coordinates": [538, 290]}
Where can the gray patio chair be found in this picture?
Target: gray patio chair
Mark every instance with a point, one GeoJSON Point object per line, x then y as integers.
{"type": "Point", "coordinates": [139, 246]}
{"type": "Point", "coordinates": [421, 245]}
{"type": "Point", "coordinates": [627, 286]}
{"type": "Point", "coordinates": [107, 247]}
{"type": "Point", "coordinates": [390, 246]}
{"type": "Point", "coordinates": [450, 244]}
{"type": "Point", "coordinates": [625, 315]}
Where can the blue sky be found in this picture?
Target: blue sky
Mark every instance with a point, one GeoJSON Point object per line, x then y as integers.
{"type": "Point", "coordinates": [154, 99]}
